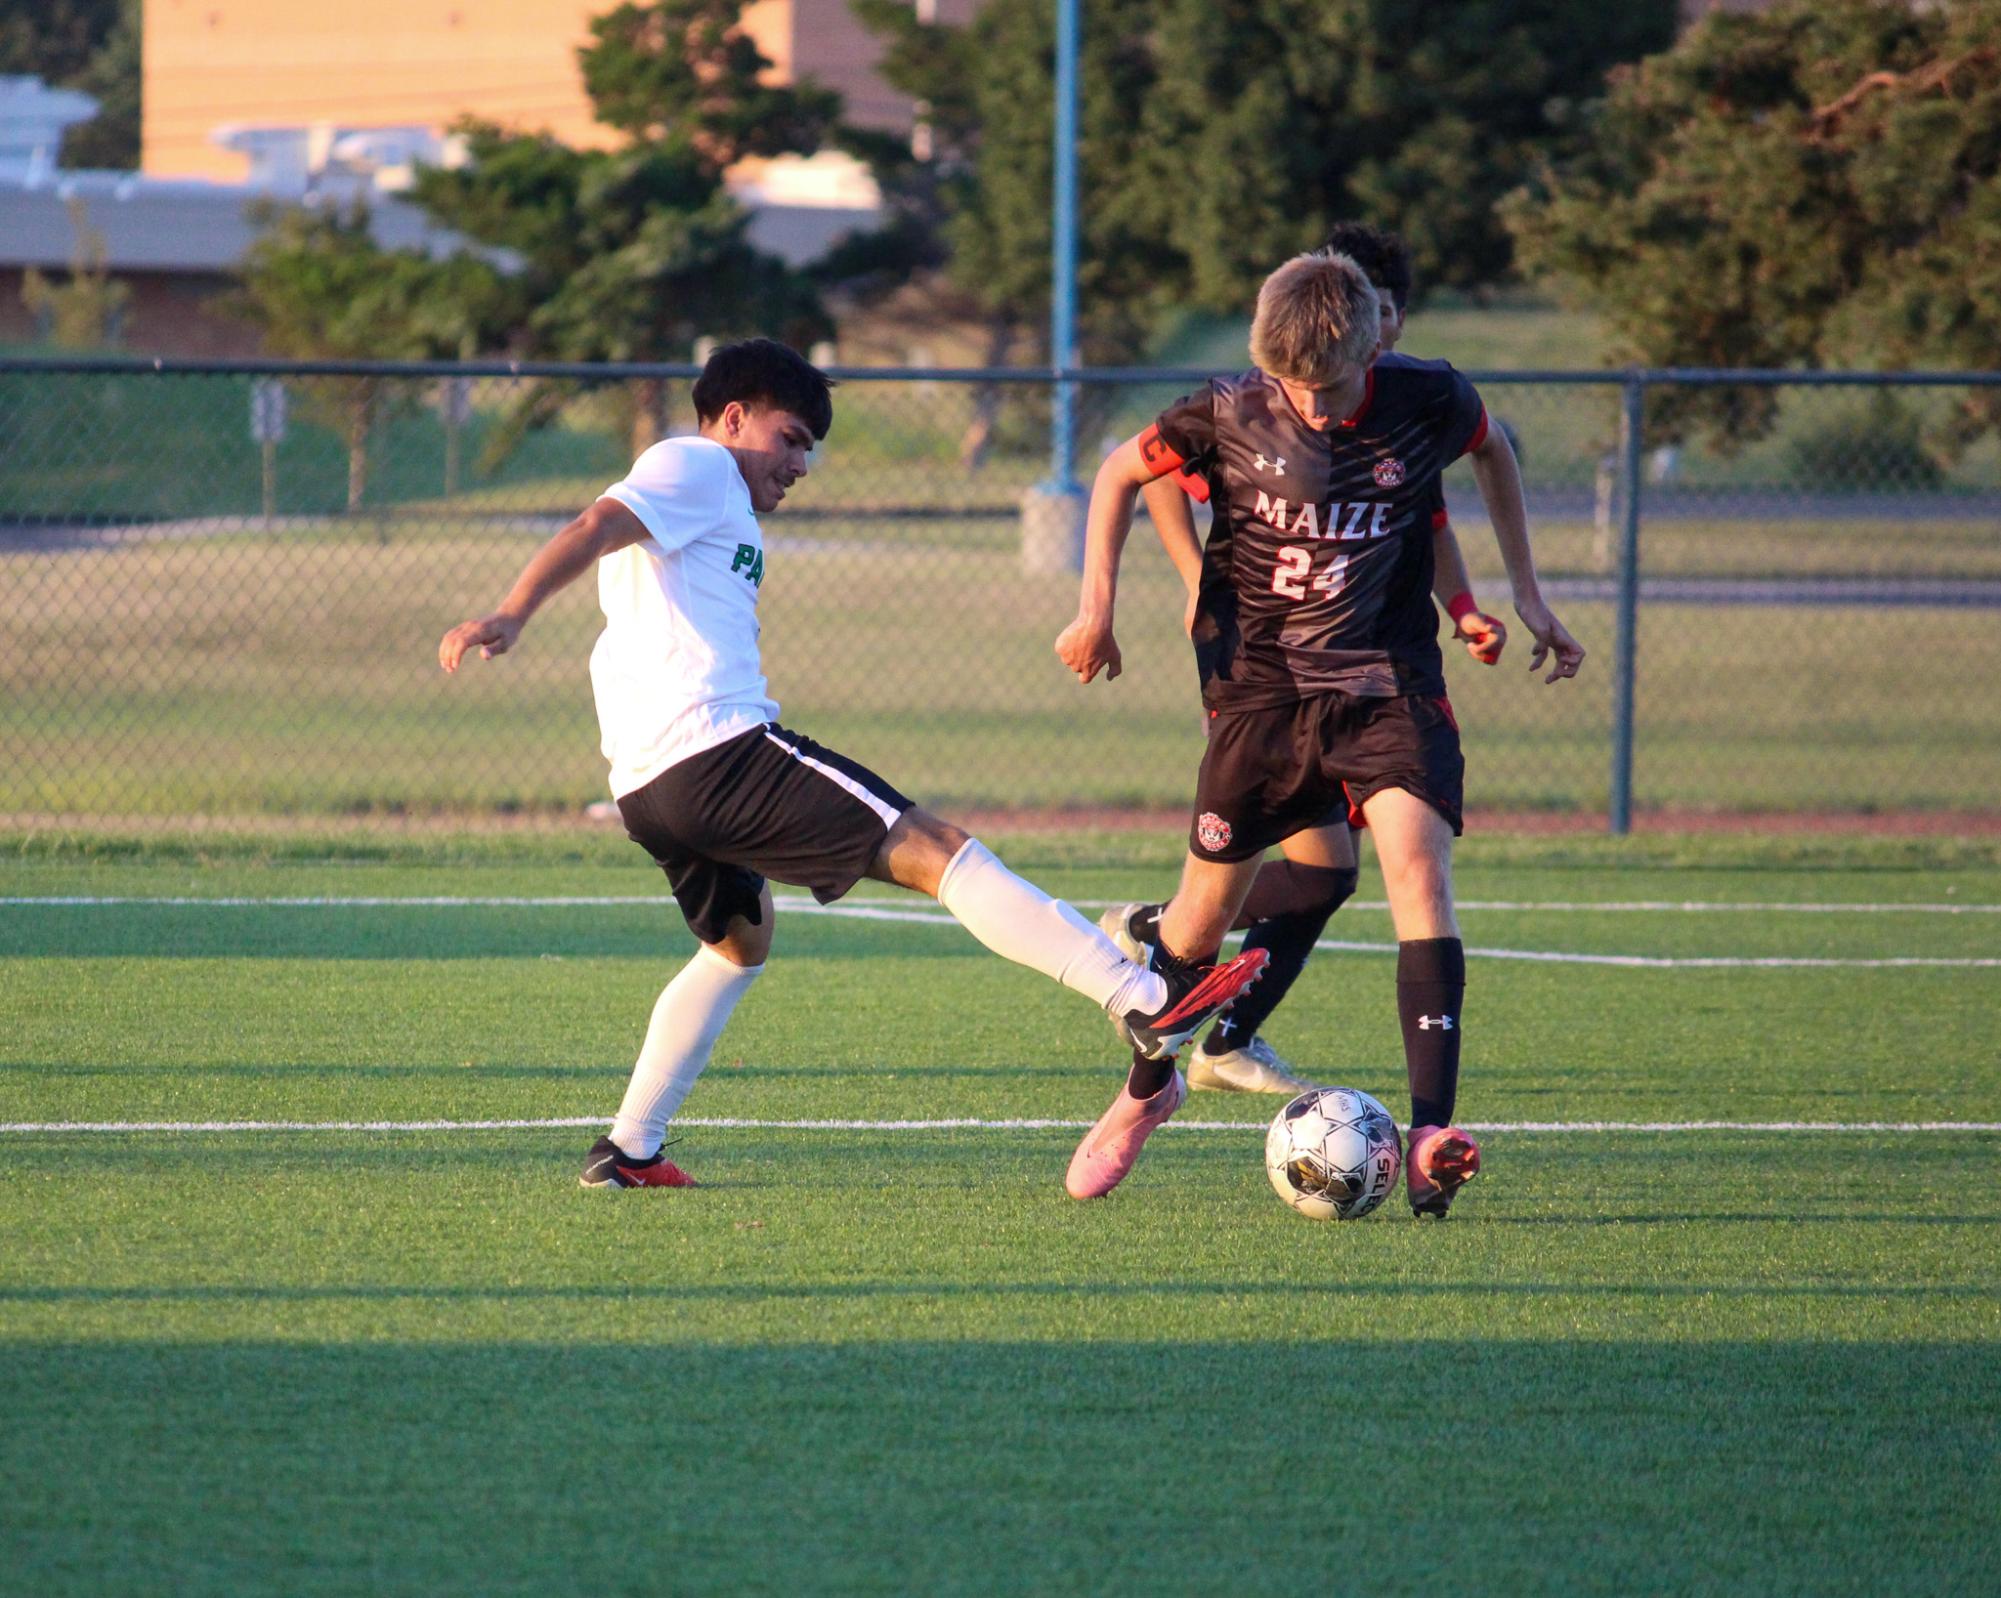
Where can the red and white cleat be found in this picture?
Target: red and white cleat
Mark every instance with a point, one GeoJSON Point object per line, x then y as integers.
{"type": "Point", "coordinates": [1110, 1148]}
{"type": "Point", "coordinates": [1438, 1163]}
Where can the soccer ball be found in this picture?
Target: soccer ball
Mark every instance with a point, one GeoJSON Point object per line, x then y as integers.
{"type": "Point", "coordinates": [1333, 1154]}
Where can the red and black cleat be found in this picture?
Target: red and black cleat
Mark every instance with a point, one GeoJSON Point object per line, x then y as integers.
{"type": "Point", "coordinates": [1194, 995]}
{"type": "Point", "coordinates": [608, 1165]}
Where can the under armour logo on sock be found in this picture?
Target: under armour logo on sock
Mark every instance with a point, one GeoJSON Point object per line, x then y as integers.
{"type": "Point", "coordinates": [1426, 1022]}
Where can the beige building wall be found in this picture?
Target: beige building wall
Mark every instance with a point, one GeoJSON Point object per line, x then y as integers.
{"type": "Point", "coordinates": [361, 63]}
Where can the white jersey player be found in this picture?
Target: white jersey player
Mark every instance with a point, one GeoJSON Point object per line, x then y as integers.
{"type": "Point", "coordinates": [723, 797]}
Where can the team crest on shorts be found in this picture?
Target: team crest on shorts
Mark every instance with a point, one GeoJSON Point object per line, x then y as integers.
{"type": "Point", "coordinates": [1212, 830]}
{"type": "Point", "coordinates": [1389, 473]}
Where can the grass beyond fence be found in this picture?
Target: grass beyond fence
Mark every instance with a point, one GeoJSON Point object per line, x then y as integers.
{"type": "Point", "coordinates": [295, 673]}
{"type": "Point", "coordinates": [167, 650]}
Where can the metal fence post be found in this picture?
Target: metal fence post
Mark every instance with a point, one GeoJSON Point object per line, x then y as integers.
{"type": "Point", "coordinates": [1625, 635]}
{"type": "Point", "coordinates": [1052, 512]}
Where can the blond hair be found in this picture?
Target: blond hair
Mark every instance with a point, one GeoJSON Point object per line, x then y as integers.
{"type": "Point", "coordinates": [1316, 315]}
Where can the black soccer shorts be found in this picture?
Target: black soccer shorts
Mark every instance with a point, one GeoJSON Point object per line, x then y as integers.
{"type": "Point", "coordinates": [1267, 773]}
{"type": "Point", "coordinates": [769, 803]}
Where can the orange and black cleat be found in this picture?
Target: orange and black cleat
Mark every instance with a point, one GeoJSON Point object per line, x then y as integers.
{"type": "Point", "coordinates": [1439, 1162]}
{"type": "Point", "coordinates": [608, 1165]}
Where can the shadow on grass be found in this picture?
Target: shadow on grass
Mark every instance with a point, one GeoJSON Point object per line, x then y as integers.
{"type": "Point", "coordinates": [432, 932]}
{"type": "Point", "coordinates": [998, 1467]}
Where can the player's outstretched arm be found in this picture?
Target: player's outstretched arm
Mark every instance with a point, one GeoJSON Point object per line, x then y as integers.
{"type": "Point", "coordinates": [605, 527]}
{"type": "Point", "coordinates": [1087, 645]}
{"type": "Point", "coordinates": [1484, 636]}
{"type": "Point", "coordinates": [1174, 523]}
{"type": "Point", "coordinates": [1500, 481]}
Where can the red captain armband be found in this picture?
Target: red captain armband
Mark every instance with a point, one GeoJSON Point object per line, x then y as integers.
{"type": "Point", "coordinates": [1440, 519]}
{"type": "Point", "coordinates": [1459, 606]}
{"type": "Point", "coordinates": [1194, 485]}
{"type": "Point", "coordinates": [1159, 456]}
{"type": "Point", "coordinates": [1479, 435]}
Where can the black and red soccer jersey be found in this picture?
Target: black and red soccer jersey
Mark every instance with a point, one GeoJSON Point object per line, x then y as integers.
{"type": "Point", "coordinates": [1318, 568]}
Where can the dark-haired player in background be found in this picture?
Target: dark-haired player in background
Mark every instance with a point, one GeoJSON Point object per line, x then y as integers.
{"type": "Point", "coordinates": [1317, 645]}
{"type": "Point", "coordinates": [1295, 896]}
{"type": "Point", "coordinates": [722, 796]}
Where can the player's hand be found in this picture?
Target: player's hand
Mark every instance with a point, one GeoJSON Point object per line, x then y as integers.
{"type": "Point", "coordinates": [1552, 642]}
{"type": "Point", "coordinates": [491, 635]}
{"type": "Point", "coordinates": [1484, 636]}
{"type": "Point", "coordinates": [1087, 647]}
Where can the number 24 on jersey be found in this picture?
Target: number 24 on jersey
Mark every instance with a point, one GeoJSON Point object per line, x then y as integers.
{"type": "Point", "coordinates": [1291, 580]}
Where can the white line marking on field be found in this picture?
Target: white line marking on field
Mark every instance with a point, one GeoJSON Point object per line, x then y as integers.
{"type": "Point", "coordinates": [594, 901]}
{"type": "Point", "coordinates": [958, 1124]}
{"type": "Point", "coordinates": [934, 918]}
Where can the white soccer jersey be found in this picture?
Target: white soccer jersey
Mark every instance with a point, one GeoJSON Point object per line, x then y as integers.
{"type": "Point", "coordinates": [676, 670]}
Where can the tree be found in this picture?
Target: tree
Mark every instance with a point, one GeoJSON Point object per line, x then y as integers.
{"type": "Point", "coordinates": [92, 45]}
{"type": "Point", "coordinates": [625, 255]}
{"type": "Point", "coordinates": [111, 77]}
{"type": "Point", "coordinates": [684, 73]}
{"type": "Point", "coordinates": [988, 90]}
{"type": "Point", "coordinates": [320, 288]}
{"type": "Point", "coordinates": [82, 311]}
{"type": "Point", "coordinates": [53, 39]}
{"type": "Point", "coordinates": [632, 254]}
{"type": "Point", "coordinates": [1220, 136]}
{"type": "Point", "coordinates": [1816, 185]}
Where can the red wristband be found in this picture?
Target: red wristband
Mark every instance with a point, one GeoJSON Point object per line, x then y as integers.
{"type": "Point", "coordinates": [1458, 605]}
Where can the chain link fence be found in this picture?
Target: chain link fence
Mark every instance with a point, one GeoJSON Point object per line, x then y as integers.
{"type": "Point", "coordinates": [221, 590]}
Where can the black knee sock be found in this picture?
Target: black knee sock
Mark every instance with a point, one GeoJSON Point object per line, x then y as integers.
{"type": "Point", "coordinates": [1287, 936]}
{"type": "Point", "coordinates": [1431, 985]}
{"type": "Point", "coordinates": [1286, 888]}
{"type": "Point", "coordinates": [1147, 1077]}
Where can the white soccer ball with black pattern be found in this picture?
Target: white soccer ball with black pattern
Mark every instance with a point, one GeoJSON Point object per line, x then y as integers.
{"type": "Point", "coordinates": [1333, 1154]}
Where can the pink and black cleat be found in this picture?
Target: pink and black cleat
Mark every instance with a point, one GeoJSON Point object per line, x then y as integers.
{"type": "Point", "coordinates": [1439, 1161]}
{"type": "Point", "coordinates": [1110, 1147]}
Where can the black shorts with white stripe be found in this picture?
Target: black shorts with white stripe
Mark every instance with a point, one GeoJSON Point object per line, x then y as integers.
{"type": "Point", "coordinates": [769, 803]}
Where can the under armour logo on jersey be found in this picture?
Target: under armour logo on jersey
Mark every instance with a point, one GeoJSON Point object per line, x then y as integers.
{"type": "Point", "coordinates": [1275, 464]}
{"type": "Point", "coordinates": [1426, 1022]}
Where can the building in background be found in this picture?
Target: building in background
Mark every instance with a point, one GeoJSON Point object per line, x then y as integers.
{"type": "Point", "coordinates": [253, 101]}
{"type": "Point", "coordinates": [265, 90]}
{"type": "Point", "coordinates": [175, 242]}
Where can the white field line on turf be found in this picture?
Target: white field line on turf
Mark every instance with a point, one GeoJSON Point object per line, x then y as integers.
{"type": "Point", "coordinates": [956, 1124]}
{"type": "Point", "coordinates": [871, 912]}
{"type": "Point", "coordinates": [593, 901]}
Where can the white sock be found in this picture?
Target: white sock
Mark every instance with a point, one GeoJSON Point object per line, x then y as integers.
{"type": "Point", "coordinates": [1019, 922]}
{"type": "Point", "coordinates": [688, 1017]}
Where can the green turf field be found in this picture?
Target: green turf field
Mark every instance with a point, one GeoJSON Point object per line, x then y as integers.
{"type": "Point", "coordinates": [869, 1360]}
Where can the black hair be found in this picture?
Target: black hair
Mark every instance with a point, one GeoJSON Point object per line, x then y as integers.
{"type": "Point", "coordinates": [1379, 253]}
{"type": "Point", "coordinates": [762, 371]}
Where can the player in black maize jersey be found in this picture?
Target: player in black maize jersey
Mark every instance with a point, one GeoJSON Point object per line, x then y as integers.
{"type": "Point", "coordinates": [1317, 646]}
{"type": "Point", "coordinates": [1294, 895]}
